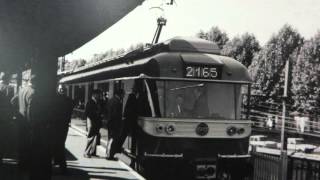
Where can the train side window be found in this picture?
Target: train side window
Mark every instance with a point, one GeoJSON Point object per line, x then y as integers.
{"type": "Point", "coordinates": [160, 92]}
{"type": "Point", "coordinates": [155, 97]}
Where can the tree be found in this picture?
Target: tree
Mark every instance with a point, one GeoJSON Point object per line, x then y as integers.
{"type": "Point", "coordinates": [242, 48]}
{"type": "Point", "coordinates": [214, 35]}
{"type": "Point", "coordinates": [201, 34]}
{"type": "Point", "coordinates": [134, 47]}
{"type": "Point", "coordinates": [267, 68]}
{"type": "Point", "coordinates": [306, 77]}
{"type": "Point", "coordinates": [120, 52]}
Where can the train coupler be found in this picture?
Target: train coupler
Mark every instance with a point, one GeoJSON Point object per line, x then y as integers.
{"type": "Point", "coordinates": [234, 167]}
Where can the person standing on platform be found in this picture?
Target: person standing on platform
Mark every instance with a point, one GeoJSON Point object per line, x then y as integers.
{"type": "Point", "coordinates": [6, 113]}
{"type": "Point", "coordinates": [37, 146]}
{"type": "Point", "coordinates": [130, 115]}
{"type": "Point", "coordinates": [94, 122]}
{"type": "Point", "coordinates": [64, 111]}
{"type": "Point", "coordinates": [114, 125]}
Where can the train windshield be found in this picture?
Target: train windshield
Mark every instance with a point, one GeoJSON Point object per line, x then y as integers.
{"type": "Point", "coordinates": [204, 100]}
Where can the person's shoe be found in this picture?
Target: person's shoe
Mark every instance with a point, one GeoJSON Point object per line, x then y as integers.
{"type": "Point", "coordinates": [87, 155]}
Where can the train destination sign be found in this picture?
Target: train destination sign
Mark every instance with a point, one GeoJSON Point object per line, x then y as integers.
{"type": "Point", "coordinates": [203, 72]}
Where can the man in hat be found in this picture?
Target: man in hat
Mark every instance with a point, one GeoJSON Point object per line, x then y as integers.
{"type": "Point", "coordinates": [94, 122]}
{"type": "Point", "coordinates": [115, 123]}
{"type": "Point", "coordinates": [63, 113]}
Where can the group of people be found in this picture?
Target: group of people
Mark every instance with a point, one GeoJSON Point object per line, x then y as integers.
{"type": "Point", "coordinates": [118, 128]}
{"type": "Point", "coordinates": [42, 127]}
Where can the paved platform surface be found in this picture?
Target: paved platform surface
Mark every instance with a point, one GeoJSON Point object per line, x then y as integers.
{"type": "Point", "coordinates": [80, 125]}
{"type": "Point", "coordinates": [80, 168]}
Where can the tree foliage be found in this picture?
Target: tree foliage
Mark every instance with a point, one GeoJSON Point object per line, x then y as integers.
{"type": "Point", "coordinates": [306, 77]}
{"type": "Point", "coordinates": [267, 68]}
{"type": "Point", "coordinates": [242, 48]}
{"type": "Point", "coordinates": [214, 35]}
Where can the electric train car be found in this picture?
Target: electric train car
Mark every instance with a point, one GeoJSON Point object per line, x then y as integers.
{"type": "Point", "coordinates": [190, 103]}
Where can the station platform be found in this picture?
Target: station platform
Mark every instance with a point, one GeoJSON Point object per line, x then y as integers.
{"type": "Point", "coordinates": [79, 168]}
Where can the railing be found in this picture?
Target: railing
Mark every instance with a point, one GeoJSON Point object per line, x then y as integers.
{"type": "Point", "coordinates": [309, 126]}
{"type": "Point", "coordinates": [267, 167]}
{"type": "Point", "coordinates": [303, 169]}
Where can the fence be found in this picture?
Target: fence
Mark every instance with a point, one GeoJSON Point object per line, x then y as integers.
{"type": "Point", "coordinates": [303, 169]}
{"type": "Point", "coordinates": [266, 167]}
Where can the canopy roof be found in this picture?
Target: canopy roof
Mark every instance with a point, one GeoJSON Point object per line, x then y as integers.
{"type": "Point", "coordinates": [53, 26]}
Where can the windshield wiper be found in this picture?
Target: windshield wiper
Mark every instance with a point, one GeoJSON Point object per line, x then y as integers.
{"type": "Point", "coordinates": [185, 87]}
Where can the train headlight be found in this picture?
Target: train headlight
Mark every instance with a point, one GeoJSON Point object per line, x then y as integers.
{"type": "Point", "coordinates": [170, 129]}
{"type": "Point", "coordinates": [240, 130]}
{"type": "Point", "coordinates": [159, 128]}
{"type": "Point", "coordinates": [231, 130]}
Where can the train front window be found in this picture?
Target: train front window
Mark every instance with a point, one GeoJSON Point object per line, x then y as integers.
{"type": "Point", "coordinates": [181, 99]}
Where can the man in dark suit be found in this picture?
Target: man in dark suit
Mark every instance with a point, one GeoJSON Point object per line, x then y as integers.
{"type": "Point", "coordinates": [179, 109]}
{"type": "Point", "coordinates": [94, 122]}
{"type": "Point", "coordinates": [114, 125]}
{"type": "Point", "coordinates": [6, 112]}
{"type": "Point", "coordinates": [130, 115]}
{"type": "Point", "coordinates": [64, 109]}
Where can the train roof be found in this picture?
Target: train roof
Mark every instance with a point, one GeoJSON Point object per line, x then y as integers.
{"type": "Point", "coordinates": [162, 60]}
{"type": "Point", "coordinates": [190, 44]}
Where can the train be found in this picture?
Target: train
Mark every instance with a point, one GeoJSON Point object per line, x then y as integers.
{"type": "Point", "coordinates": [191, 109]}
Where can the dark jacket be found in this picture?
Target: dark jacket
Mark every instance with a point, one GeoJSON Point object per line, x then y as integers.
{"type": "Point", "coordinates": [6, 109]}
{"type": "Point", "coordinates": [114, 113]}
{"type": "Point", "coordinates": [65, 106]}
{"type": "Point", "coordinates": [92, 111]}
{"type": "Point", "coordinates": [131, 109]}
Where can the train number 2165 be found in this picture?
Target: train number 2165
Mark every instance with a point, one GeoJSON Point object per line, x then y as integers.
{"type": "Point", "coordinates": [201, 72]}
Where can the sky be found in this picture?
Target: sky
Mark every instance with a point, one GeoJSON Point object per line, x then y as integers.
{"type": "Point", "coordinates": [187, 17]}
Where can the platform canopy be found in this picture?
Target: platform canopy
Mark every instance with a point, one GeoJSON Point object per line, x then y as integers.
{"type": "Point", "coordinates": [28, 27]}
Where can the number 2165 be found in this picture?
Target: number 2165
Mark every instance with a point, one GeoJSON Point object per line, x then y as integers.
{"type": "Point", "coordinates": [201, 72]}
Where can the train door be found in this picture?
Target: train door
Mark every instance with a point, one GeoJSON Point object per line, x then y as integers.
{"type": "Point", "coordinates": [72, 91]}
{"type": "Point", "coordinates": [104, 86]}
{"type": "Point", "coordinates": [79, 96]}
{"type": "Point", "coordinates": [127, 86]}
{"type": "Point", "coordinates": [90, 89]}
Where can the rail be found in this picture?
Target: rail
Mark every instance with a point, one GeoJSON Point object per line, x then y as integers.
{"type": "Point", "coordinates": [266, 167]}
{"type": "Point", "coordinates": [308, 126]}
